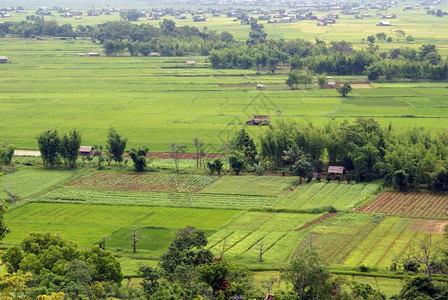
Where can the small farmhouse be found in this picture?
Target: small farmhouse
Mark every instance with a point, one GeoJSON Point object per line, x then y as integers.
{"type": "Point", "coordinates": [335, 170]}
{"type": "Point", "coordinates": [94, 54]}
{"type": "Point", "coordinates": [86, 151]}
{"type": "Point", "coordinates": [3, 59]}
{"type": "Point", "coordinates": [190, 62]}
{"type": "Point", "coordinates": [260, 86]}
{"type": "Point", "coordinates": [259, 120]}
{"type": "Point", "coordinates": [383, 23]}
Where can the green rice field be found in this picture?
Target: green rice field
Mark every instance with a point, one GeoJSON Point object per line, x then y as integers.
{"type": "Point", "coordinates": [168, 102]}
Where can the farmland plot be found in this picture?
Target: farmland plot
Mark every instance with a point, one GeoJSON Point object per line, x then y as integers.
{"type": "Point", "coordinates": [142, 198]}
{"type": "Point", "coordinates": [409, 204]}
{"type": "Point", "coordinates": [354, 239]}
{"type": "Point", "coordinates": [145, 182]}
{"type": "Point", "coordinates": [251, 185]}
{"type": "Point", "coordinates": [27, 181]}
{"type": "Point", "coordinates": [277, 231]}
{"type": "Point", "coordinates": [87, 223]}
{"type": "Point", "coordinates": [338, 195]}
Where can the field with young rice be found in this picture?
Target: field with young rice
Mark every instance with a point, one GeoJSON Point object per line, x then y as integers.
{"type": "Point", "coordinates": [156, 101]}
{"type": "Point", "coordinates": [355, 239]}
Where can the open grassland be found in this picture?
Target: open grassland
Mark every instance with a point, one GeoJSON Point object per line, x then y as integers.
{"type": "Point", "coordinates": [353, 239]}
{"type": "Point", "coordinates": [87, 224]}
{"type": "Point", "coordinates": [27, 181]}
{"type": "Point", "coordinates": [339, 195]}
{"type": "Point", "coordinates": [157, 101]}
{"type": "Point", "coordinates": [409, 204]}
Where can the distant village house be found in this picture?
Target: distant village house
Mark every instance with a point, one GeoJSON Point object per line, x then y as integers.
{"type": "Point", "coordinates": [86, 151]}
{"type": "Point", "coordinates": [259, 120]}
{"type": "Point", "coordinates": [3, 59]}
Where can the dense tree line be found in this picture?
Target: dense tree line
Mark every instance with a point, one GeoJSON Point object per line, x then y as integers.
{"type": "Point", "coordinates": [337, 58]}
{"type": "Point", "coordinates": [403, 158]}
{"type": "Point", "coordinates": [55, 264]}
{"type": "Point", "coordinates": [53, 147]}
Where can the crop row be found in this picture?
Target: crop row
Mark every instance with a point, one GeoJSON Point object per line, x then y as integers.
{"type": "Point", "coordinates": [369, 240]}
{"type": "Point", "coordinates": [410, 204]}
{"type": "Point", "coordinates": [145, 182]}
{"type": "Point", "coordinates": [117, 197]}
{"type": "Point", "coordinates": [241, 238]}
{"type": "Point", "coordinates": [338, 195]}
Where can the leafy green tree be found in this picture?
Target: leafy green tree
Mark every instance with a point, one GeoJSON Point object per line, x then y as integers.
{"type": "Point", "coordinates": [409, 39]}
{"type": "Point", "coordinates": [245, 144]}
{"type": "Point", "coordinates": [6, 153]}
{"type": "Point", "coordinates": [49, 146]}
{"type": "Point", "coordinates": [150, 281]}
{"type": "Point", "coordinates": [70, 147]}
{"type": "Point", "coordinates": [115, 145]}
{"type": "Point", "coordinates": [344, 89]}
{"type": "Point", "coordinates": [321, 80]}
{"type": "Point", "coordinates": [303, 166]}
{"type": "Point", "coordinates": [293, 79]}
{"type": "Point", "coordinates": [400, 180]}
{"type": "Point", "coordinates": [371, 39]}
{"type": "Point", "coordinates": [237, 162]}
{"type": "Point", "coordinates": [308, 274]}
{"type": "Point", "coordinates": [215, 165]}
{"type": "Point", "coordinates": [176, 151]}
{"type": "Point", "coordinates": [186, 248]}
{"type": "Point", "coordinates": [13, 256]}
{"type": "Point", "coordinates": [138, 156]}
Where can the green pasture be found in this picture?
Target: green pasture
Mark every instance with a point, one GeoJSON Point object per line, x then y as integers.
{"type": "Point", "coordinates": [89, 223]}
{"type": "Point", "coordinates": [28, 181]}
{"type": "Point", "coordinates": [155, 101]}
{"type": "Point", "coordinates": [339, 195]}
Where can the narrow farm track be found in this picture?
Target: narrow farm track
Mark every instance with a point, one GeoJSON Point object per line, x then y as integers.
{"type": "Point", "coordinates": [318, 220]}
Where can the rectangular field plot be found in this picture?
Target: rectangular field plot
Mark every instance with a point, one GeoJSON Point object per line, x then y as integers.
{"type": "Point", "coordinates": [117, 216]}
{"type": "Point", "coordinates": [88, 224]}
{"type": "Point", "coordinates": [353, 239]}
{"type": "Point", "coordinates": [409, 204]}
{"type": "Point", "coordinates": [251, 185]}
{"type": "Point", "coordinates": [171, 199]}
{"type": "Point", "coordinates": [338, 195]}
{"type": "Point", "coordinates": [145, 182]}
{"type": "Point", "coordinates": [240, 238]}
{"type": "Point", "coordinates": [27, 182]}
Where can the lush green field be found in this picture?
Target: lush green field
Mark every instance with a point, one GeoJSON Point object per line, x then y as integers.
{"type": "Point", "coordinates": [240, 238]}
{"type": "Point", "coordinates": [28, 181]}
{"type": "Point", "coordinates": [423, 27]}
{"type": "Point", "coordinates": [338, 195]}
{"type": "Point", "coordinates": [111, 197]}
{"type": "Point", "coordinates": [87, 224]}
{"type": "Point", "coordinates": [353, 239]}
{"type": "Point", "coordinates": [167, 102]}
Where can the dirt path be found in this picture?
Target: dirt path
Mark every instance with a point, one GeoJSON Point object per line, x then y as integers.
{"type": "Point", "coordinates": [320, 219]}
{"type": "Point", "coordinates": [22, 152]}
